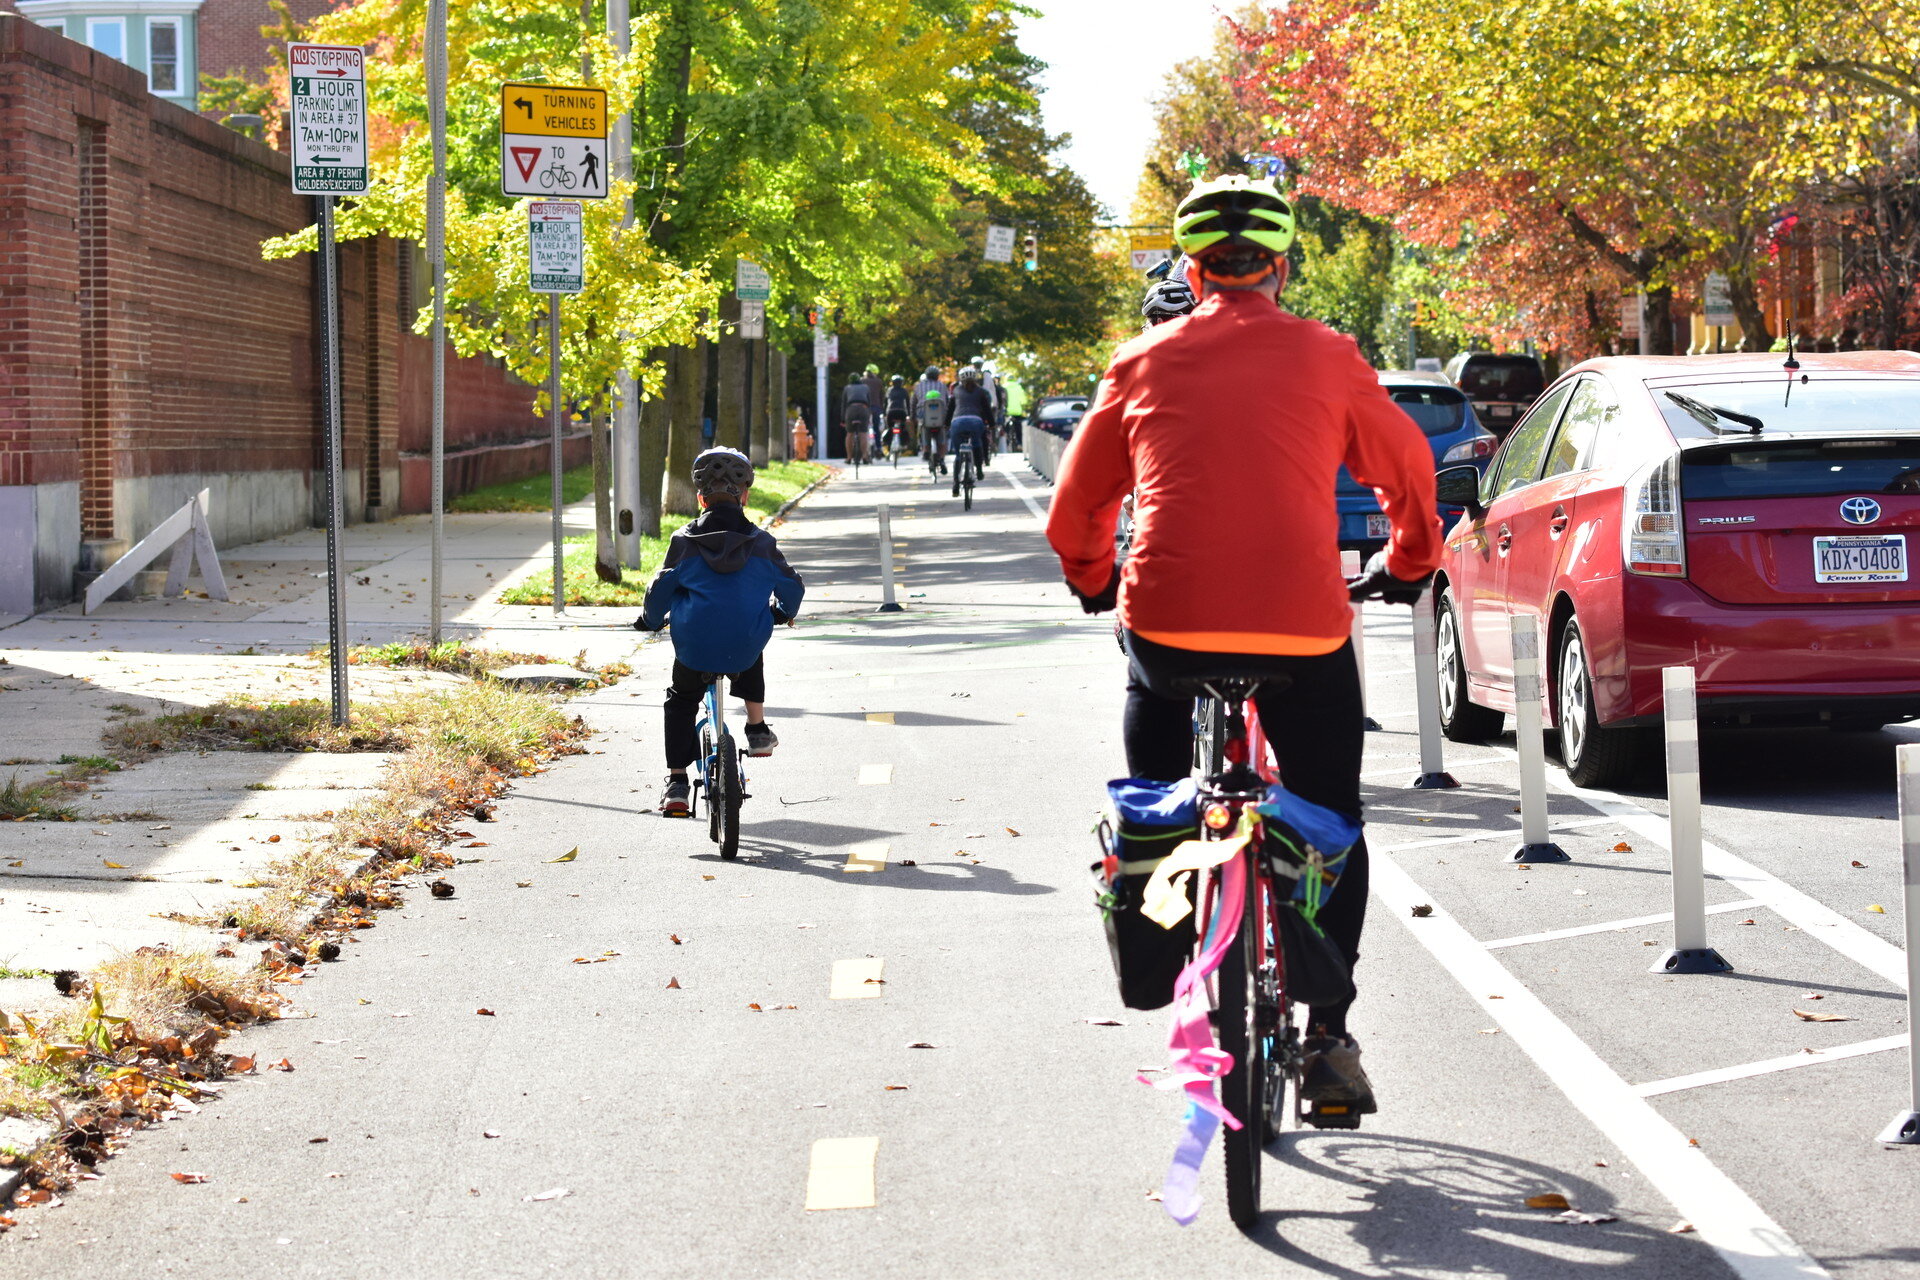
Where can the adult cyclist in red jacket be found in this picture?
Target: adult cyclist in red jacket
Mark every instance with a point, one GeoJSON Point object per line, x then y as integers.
{"type": "Point", "coordinates": [1229, 427]}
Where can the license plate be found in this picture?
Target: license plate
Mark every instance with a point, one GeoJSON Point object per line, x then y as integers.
{"type": "Point", "coordinates": [1379, 527]}
{"type": "Point", "coordinates": [1880, 558]}
{"type": "Point", "coordinates": [1500, 410]}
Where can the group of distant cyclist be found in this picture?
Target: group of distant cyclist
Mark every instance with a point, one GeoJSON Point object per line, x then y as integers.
{"type": "Point", "coordinates": [965, 418]}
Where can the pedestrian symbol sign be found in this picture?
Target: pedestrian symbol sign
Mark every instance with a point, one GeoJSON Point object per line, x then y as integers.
{"type": "Point", "coordinates": [555, 260]}
{"type": "Point", "coordinates": [553, 141]}
{"type": "Point", "coordinates": [327, 114]}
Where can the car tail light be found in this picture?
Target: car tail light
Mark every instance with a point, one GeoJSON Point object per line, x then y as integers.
{"type": "Point", "coordinates": [1651, 540]}
{"type": "Point", "coordinates": [1481, 446]}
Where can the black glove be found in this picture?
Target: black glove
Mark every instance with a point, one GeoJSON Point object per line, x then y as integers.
{"type": "Point", "coordinates": [1375, 581]}
{"type": "Point", "coordinates": [1104, 600]}
{"type": "Point", "coordinates": [640, 624]}
{"type": "Point", "coordinates": [780, 616]}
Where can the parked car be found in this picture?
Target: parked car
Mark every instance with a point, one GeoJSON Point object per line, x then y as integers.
{"type": "Point", "coordinates": [1500, 386]}
{"type": "Point", "coordinates": [1442, 412]}
{"type": "Point", "coordinates": [1058, 414]}
{"type": "Point", "coordinates": [1748, 520]}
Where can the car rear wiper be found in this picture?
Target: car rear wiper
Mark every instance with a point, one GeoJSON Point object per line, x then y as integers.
{"type": "Point", "coordinates": [1709, 415]}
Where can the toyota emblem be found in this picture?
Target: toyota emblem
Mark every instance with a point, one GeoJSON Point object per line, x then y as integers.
{"type": "Point", "coordinates": [1859, 511]}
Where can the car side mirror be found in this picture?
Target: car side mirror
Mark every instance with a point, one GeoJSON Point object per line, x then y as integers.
{"type": "Point", "coordinates": [1460, 487]}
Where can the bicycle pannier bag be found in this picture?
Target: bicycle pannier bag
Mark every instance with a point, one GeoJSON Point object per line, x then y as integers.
{"type": "Point", "coordinates": [1148, 820]}
{"type": "Point", "coordinates": [1305, 845]}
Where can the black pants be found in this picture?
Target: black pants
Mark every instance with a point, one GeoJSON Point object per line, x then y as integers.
{"type": "Point", "coordinates": [683, 705]}
{"type": "Point", "coordinates": [1316, 726]}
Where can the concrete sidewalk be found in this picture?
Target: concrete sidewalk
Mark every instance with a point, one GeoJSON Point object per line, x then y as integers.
{"type": "Point", "coordinates": [182, 834]}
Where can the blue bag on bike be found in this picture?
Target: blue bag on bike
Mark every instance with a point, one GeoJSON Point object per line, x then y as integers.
{"type": "Point", "coordinates": [1306, 845]}
{"type": "Point", "coordinates": [1148, 820]}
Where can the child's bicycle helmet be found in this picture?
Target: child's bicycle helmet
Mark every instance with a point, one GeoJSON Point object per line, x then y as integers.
{"type": "Point", "coordinates": [722, 471]}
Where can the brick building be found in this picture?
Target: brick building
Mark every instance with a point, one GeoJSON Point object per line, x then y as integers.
{"type": "Point", "coordinates": [146, 350]}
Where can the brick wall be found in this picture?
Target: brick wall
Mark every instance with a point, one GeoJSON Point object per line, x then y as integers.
{"type": "Point", "coordinates": [147, 351]}
{"type": "Point", "coordinates": [229, 33]}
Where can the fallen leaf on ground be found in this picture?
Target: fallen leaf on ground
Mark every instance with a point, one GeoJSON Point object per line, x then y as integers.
{"type": "Point", "coordinates": [1599, 1164]}
{"type": "Point", "coordinates": [285, 1064]}
{"type": "Point", "coordinates": [441, 889]}
{"type": "Point", "coordinates": [489, 1133]}
{"type": "Point", "coordinates": [1746, 922]}
{"type": "Point", "coordinates": [674, 938]}
{"type": "Point", "coordinates": [906, 862]}
{"type": "Point", "coordinates": [476, 844]}
{"type": "Point", "coordinates": [1549, 1200]}
{"type": "Point", "coordinates": [1103, 1022]}
{"type": "Point", "coordinates": [756, 1008]}
{"type": "Point", "coordinates": [273, 839]}
{"type": "Point", "coordinates": [485, 1013]}
{"type": "Point", "coordinates": [1874, 907]}
{"type": "Point", "coordinates": [1153, 1195]}
{"type": "Point", "coordinates": [706, 877]}
{"type": "Point", "coordinates": [1813, 995]}
{"type": "Point", "coordinates": [313, 1140]}
{"type": "Point", "coordinates": [673, 984]}
{"type": "Point", "coordinates": [523, 884]}
{"type": "Point", "coordinates": [1857, 864]}
{"type": "Point", "coordinates": [188, 1177]}
{"type": "Point", "coordinates": [1622, 847]}
{"type": "Point", "coordinates": [1680, 1229]}
{"type": "Point", "coordinates": [554, 1194]}
{"type": "Point", "coordinates": [117, 866]}
{"type": "Point", "coordinates": [1805, 1016]}
{"type": "Point", "coordinates": [568, 856]}
{"type": "Point", "coordinates": [1421, 910]}
{"type": "Point", "coordinates": [894, 1088]}
{"type": "Point", "coordinates": [1489, 1031]}
{"type": "Point", "coordinates": [1693, 1142]}
{"type": "Point", "coordinates": [919, 1044]}
{"type": "Point", "coordinates": [1012, 832]}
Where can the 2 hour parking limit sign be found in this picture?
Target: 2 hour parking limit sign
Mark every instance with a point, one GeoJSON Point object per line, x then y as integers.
{"type": "Point", "coordinates": [328, 110]}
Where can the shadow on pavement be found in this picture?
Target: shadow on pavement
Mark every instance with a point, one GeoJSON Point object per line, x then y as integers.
{"type": "Point", "coordinates": [1437, 1208]}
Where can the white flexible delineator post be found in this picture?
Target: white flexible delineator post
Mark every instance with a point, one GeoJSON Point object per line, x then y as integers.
{"type": "Point", "coordinates": [1690, 953]}
{"type": "Point", "coordinates": [1426, 691]}
{"type": "Point", "coordinates": [1905, 1128]}
{"type": "Point", "coordinates": [887, 602]}
{"type": "Point", "coordinates": [1350, 566]}
{"type": "Point", "coordinates": [1530, 740]}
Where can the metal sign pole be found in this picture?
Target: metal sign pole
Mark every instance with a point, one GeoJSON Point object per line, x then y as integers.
{"type": "Point", "coordinates": [437, 259]}
{"type": "Point", "coordinates": [330, 414]}
{"type": "Point", "coordinates": [553, 412]}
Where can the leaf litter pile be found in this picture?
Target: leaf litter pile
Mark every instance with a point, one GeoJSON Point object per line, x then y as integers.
{"type": "Point", "coordinates": [142, 1041]}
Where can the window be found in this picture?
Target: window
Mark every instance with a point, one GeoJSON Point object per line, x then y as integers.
{"type": "Point", "coordinates": [1436, 410]}
{"type": "Point", "coordinates": [53, 24]}
{"type": "Point", "coordinates": [1587, 415]}
{"type": "Point", "coordinates": [163, 55]}
{"type": "Point", "coordinates": [109, 36]}
{"type": "Point", "coordinates": [1520, 459]}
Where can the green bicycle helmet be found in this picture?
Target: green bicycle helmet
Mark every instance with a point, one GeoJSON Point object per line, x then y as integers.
{"type": "Point", "coordinates": [1233, 213]}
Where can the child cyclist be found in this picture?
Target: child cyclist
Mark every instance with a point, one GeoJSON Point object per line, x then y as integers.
{"type": "Point", "coordinates": [720, 573]}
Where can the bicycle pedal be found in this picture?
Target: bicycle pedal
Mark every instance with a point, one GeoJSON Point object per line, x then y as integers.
{"type": "Point", "coordinates": [1333, 1115]}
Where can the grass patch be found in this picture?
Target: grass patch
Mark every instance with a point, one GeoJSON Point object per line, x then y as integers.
{"type": "Point", "coordinates": [302, 725]}
{"type": "Point", "coordinates": [26, 801]}
{"type": "Point", "coordinates": [9, 972]}
{"type": "Point", "coordinates": [100, 763]}
{"type": "Point", "coordinates": [775, 484]}
{"type": "Point", "coordinates": [532, 493]}
{"type": "Point", "coordinates": [461, 658]}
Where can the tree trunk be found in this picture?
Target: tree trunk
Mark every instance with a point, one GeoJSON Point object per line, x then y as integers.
{"type": "Point", "coordinates": [1744, 292]}
{"type": "Point", "coordinates": [687, 386]}
{"type": "Point", "coordinates": [766, 421]}
{"type": "Point", "coordinates": [730, 388]}
{"type": "Point", "coordinates": [653, 446]}
{"type": "Point", "coordinates": [606, 556]}
{"type": "Point", "coordinates": [1656, 322]}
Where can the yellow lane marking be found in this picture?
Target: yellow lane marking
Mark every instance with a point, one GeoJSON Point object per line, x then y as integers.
{"type": "Point", "coordinates": [871, 856]}
{"type": "Point", "coordinates": [879, 717]}
{"type": "Point", "coordinates": [840, 1174]}
{"type": "Point", "coordinates": [875, 775]}
{"type": "Point", "coordinates": [857, 979]}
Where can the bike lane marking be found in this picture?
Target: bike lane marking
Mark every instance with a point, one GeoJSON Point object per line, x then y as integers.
{"type": "Point", "coordinates": [1767, 1066]}
{"type": "Point", "coordinates": [857, 979]}
{"type": "Point", "coordinates": [879, 717]}
{"type": "Point", "coordinates": [871, 856]}
{"type": "Point", "coordinates": [1726, 1217]}
{"type": "Point", "coordinates": [840, 1173]}
{"type": "Point", "coordinates": [1611, 926]}
{"type": "Point", "coordinates": [1025, 496]}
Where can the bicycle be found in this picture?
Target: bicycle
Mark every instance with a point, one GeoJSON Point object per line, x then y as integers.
{"type": "Point", "coordinates": [856, 450]}
{"type": "Point", "coordinates": [896, 445]}
{"type": "Point", "coordinates": [963, 474]}
{"type": "Point", "coordinates": [718, 766]}
{"type": "Point", "coordinates": [557, 172]}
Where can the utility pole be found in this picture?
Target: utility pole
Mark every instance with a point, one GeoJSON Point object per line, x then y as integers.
{"type": "Point", "coordinates": [437, 262]}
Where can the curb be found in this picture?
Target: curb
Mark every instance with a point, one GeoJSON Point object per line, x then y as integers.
{"type": "Point", "coordinates": [26, 1136]}
{"type": "Point", "coordinates": [794, 501]}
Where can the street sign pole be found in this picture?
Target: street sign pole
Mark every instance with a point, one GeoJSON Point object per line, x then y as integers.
{"type": "Point", "coordinates": [437, 263]}
{"type": "Point", "coordinates": [556, 264]}
{"type": "Point", "coordinates": [820, 387]}
{"type": "Point", "coordinates": [330, 414]}
{"type": "Point", "coordinates": [553, 413]}
{"type": "Point", "coordinates": [327, 115]}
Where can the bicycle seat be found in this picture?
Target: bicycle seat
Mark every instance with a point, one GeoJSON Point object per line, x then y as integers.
{"type": "Point", "coordinates": [1236, 684]}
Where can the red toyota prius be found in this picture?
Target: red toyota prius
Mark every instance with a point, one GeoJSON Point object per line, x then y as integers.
{"type": "Point", "coordinates": [1749, 516]}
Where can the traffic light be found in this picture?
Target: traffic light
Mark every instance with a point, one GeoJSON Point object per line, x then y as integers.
{"type": "Point", "coordinates": [813, 317]}
{"type": "Point", "coordinates": [1031, 248]}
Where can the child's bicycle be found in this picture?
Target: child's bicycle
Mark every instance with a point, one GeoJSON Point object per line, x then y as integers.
{"type": "Point", "coordinates": [718, 767]}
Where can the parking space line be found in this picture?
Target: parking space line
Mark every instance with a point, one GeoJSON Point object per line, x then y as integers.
{"type": "Point", "coordinates": [1727, 1219]}
{"type": "Point", "coordinates": [875, 775]}
{"type": "Point", "coordinates": [840, 1173]}
{"type": "Point", "coordinates": [857, 979]}
{"type": "Point", "coordinates": [871, 856]}
{"type": "Point", "coordinates": [1767, 1066]}
{"type": "Point", "coordinates": [1507, 832]}
{"type": "Point", "coordinates": [1610, 926]}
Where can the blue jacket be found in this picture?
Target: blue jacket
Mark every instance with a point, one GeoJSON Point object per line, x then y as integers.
{"type": "Point", "coordinates": [714, 586]}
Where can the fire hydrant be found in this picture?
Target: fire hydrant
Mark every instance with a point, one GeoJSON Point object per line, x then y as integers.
{"type": "Point", "coordinates": [802, 439]}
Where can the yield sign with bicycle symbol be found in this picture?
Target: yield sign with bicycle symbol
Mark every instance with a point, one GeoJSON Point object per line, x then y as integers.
{"type": "Point", "coordinates": [553, 140]}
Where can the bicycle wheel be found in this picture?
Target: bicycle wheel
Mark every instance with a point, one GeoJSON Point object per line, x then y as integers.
{"type": "Point", "coordinates": [1210, 736]}
{"type": "Point", "coordinates": [726, 806]}
{"type": "Point", "coordinates": [709, 780]}
{"type": "Point", "coordinates": [1246, 1090]}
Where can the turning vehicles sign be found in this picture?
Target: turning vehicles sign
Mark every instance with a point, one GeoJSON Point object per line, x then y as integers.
{"type": "Point", "coordinates": [553, 141]}
{"type": "Point", "coordinates": [327, 103]}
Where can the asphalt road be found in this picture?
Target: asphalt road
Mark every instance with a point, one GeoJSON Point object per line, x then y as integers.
{"type": "Point", "coordinates": [682, 1121]}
